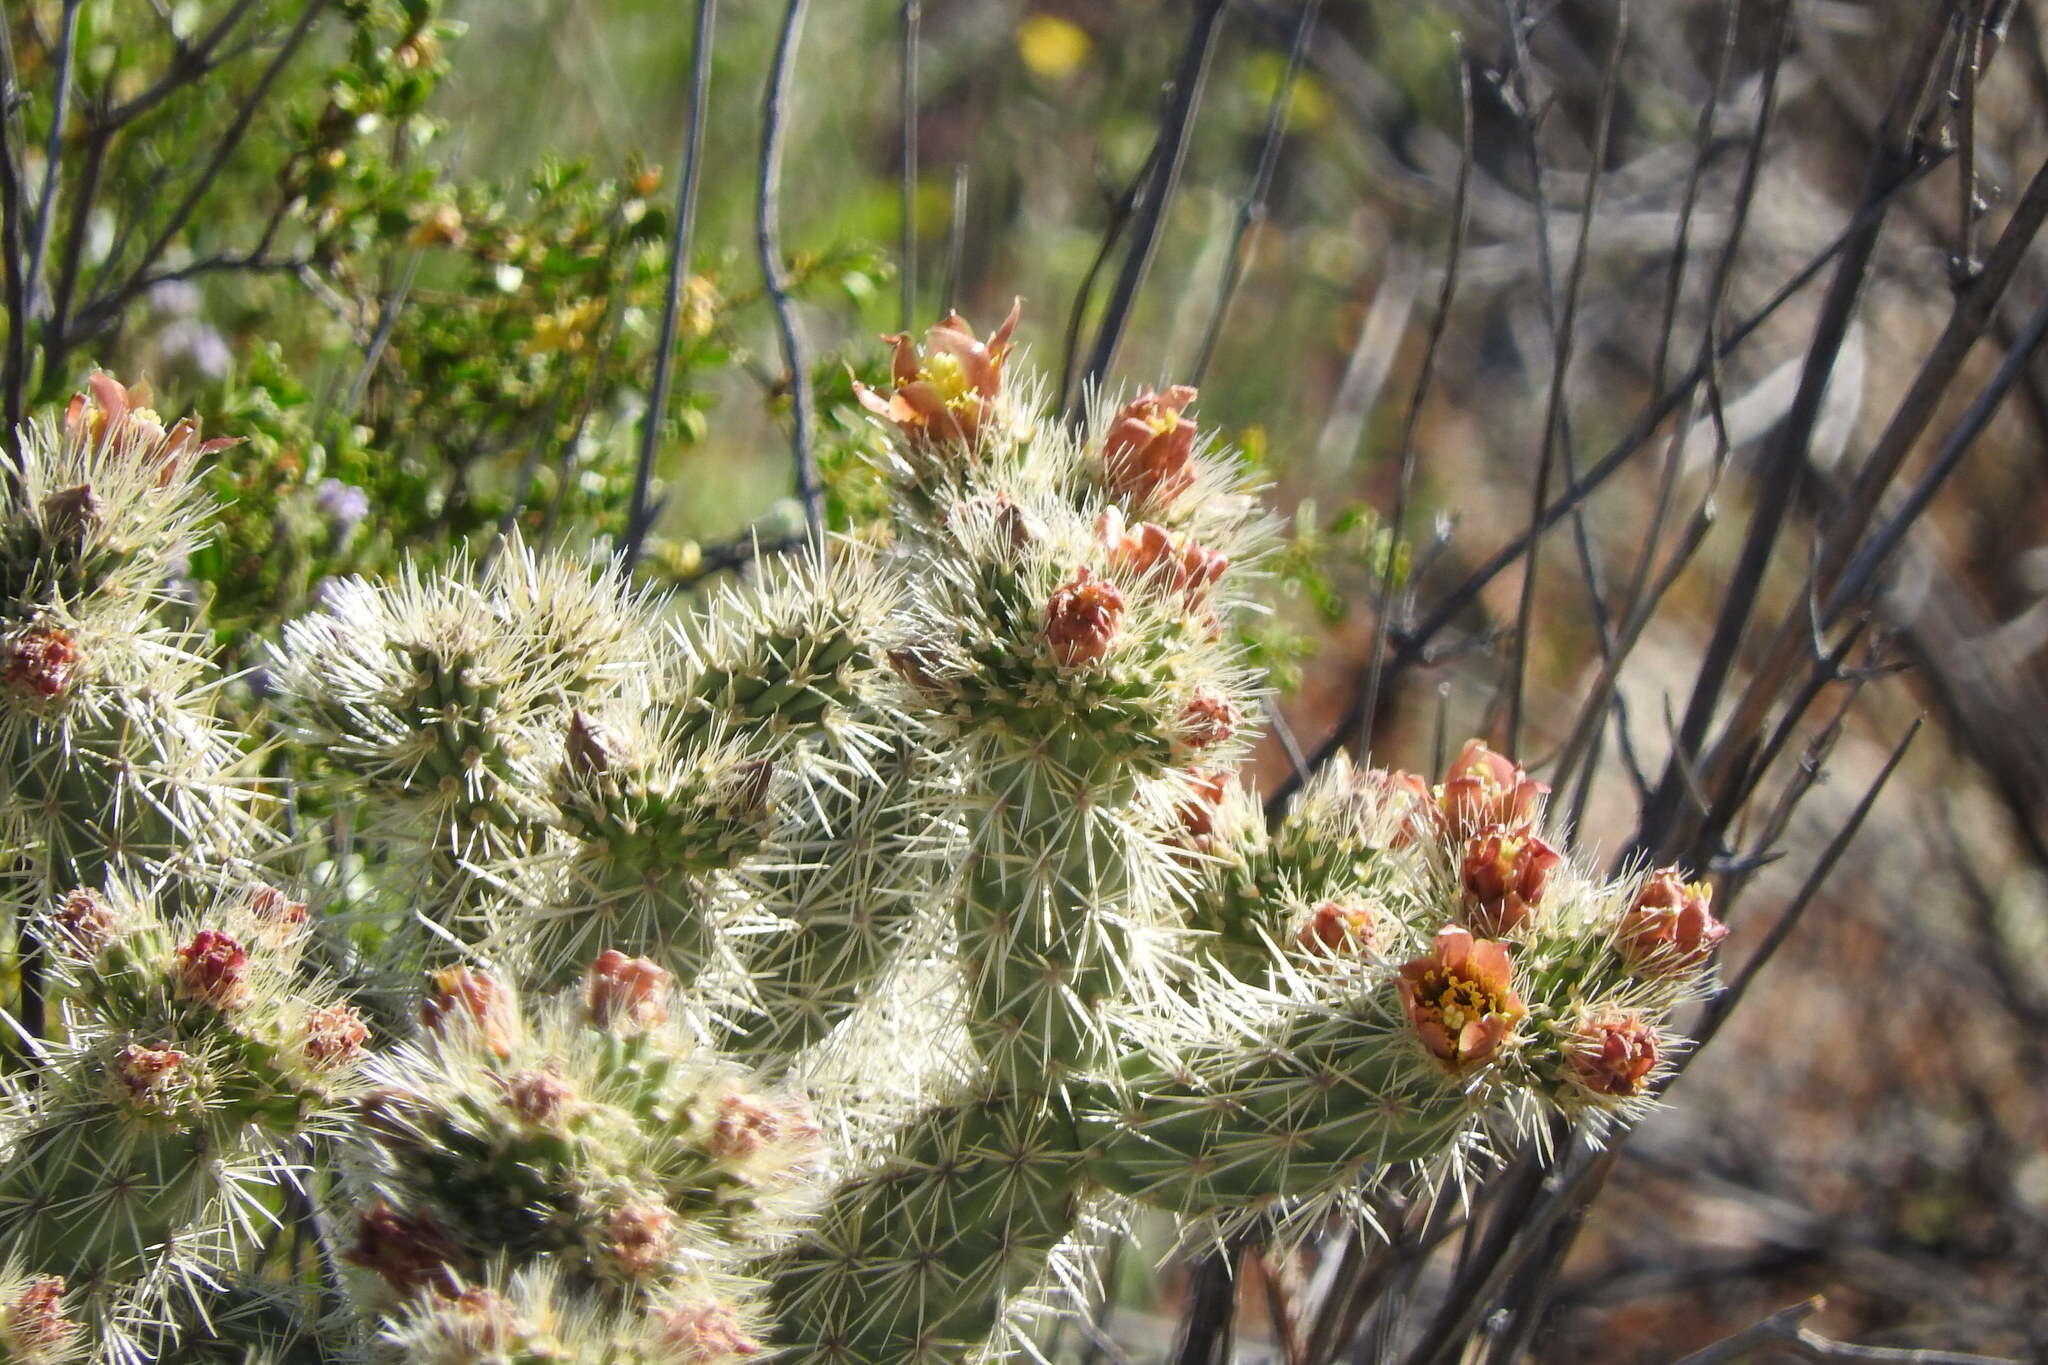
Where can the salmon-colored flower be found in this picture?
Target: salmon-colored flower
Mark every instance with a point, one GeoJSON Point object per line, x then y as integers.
{"type": "Point", "coordinates": [704, 1332]}
{"type": "Point", "coordinates": [1081, 618]}
{"type": "Point", "coordinates": [1612, 1054]}
{"type": "Point", "coordinates": [1671, 927]}
{"type": "Point", "coordinates": [1461, 999]}
{"type": "Point", "coordinates": [948, 394]}
{"type": "Point", "coordinates": [1485, 788]}
{"type": "Point", "coordinates": [462, 996]}
{"type": "Point", "coordinates": [1504, 874]}
{"type": "Point", "coordinates": [408, 1251]}
{"type": "Point", "coordinates": [114, 413]}
{"type": "Point", "coordinates": [1149, 453]}
{"type": "Point", "coordinates": [334, 1037]}
{"type": "Point", "coordinates": [1151, 553]}
{"type": "Point", "coordinates": [42, 662]}
{"type": "Point", "coordinates": [1339, 931]}
{"type": "Point", "coordinates": [1208, 719]}
{"type": "Point", "coordinates": [627, 992]}
{"type": "Point", "coordinates": [214, 969]}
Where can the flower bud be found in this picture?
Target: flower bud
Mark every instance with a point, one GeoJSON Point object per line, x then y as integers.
{"type": "Point", "coordinates": [459, 996]}
{"type": "Point", "coordinates": [1422, 820]}
{"type": "Point", "coordinates": [1671, 926]}
{"type": "Point", "coordinates": [746, 1127]}
{"type": "Point", "coordinates": [1503, 875]}
{"type": "Point", "coordinates": [33, 1328]}
{"type": "Point", "coordinates": [1339, 931]}
{"type": "Point", "coordinates": [1612, 1054]}
{"type": "Point", "coordinates": [1149, 452]}
{"type": "Point", "coordinates": [272, 907]}
{"type": "Point", "coordinates": [408, 1251]}
{"type": "Point", "coordinates": [42, 663]}
{"type": "Point", "coordinates": [334, 1037]}
{"type": "Point", "coordinates": [1485, 788]}
{"type": "Point", "coordinates": [917, 665]}
{"type": "Point", "coordinates": [1152, 554]}
{"type": "Point", "coordinates": [1208, 719]}
{"type": "Point", "coordinates": [704, 1332]}
{"type": "Point", "coordinates": [1014, 526]}
{"type": "Point", "coordinates": [746, 791]}
{"type": "Point", "coordinates": [1081, 618]}
{"type": "Point", "coordinates": [85, 922]}
{"type": "Point", "coordinates": [627, 992]}
{"type": "Point", "coordinates": [214, 970]}
{"type": "Point", "coordinates": [1461, 999]}
{"type": "Point", "coordinates": [1196, 812]}
{"type": "Point", "coordinates": [540, 1098]}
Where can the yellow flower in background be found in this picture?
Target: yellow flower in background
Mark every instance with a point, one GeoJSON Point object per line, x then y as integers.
{"type": "Point", "coordinates": [1053, 47]}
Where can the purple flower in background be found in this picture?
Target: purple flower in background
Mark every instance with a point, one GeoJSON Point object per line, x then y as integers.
{"type": "Point", "coordinates": [344, 506]}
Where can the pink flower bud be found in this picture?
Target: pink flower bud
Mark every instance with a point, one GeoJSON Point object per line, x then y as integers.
{"type": "Point", "coordinates": [214, 969]}
{"type": "Point", "coordinates": [1671, 926]}
{"type": "Point", "coordinates": [1081, 618]}
{"type": "Point", "coordinates": [1422, 820]}
{"type": "Point", "coordinates": [42, 663]}
{"type": "Point", "coordinates": [1504, 874]}
{"type": "Point", "coordinates": [273, 907]}
{"type": "Point", "coordinates": [1149, 452]}
{"type": "Point", "coordinates": [637, 1238]}
{"type": "Point", "coordinates": [1612, 1054]}
{"type": "Point", "coordinates": [1461, 999]}
{"type": "Point", "coordinates": [627, 992]}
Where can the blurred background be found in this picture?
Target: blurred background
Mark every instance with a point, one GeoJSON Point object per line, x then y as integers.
{"type": "Point", "coordinates": [1433, 265]}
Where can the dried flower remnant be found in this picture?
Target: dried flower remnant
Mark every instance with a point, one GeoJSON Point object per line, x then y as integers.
{"type": "Point", "coordinates": [72, 514]}
{"type": "Point", "coordinates": [1612, 1055]}
{"type": "Point", "coordinates": [746, 1127]}
{"type": "Point", "coordinates": [627, 992]}
{"type": "Point", "coordinates": [1461, 999]}
{"type": "Point", "coordinates": [42, 663]}
{"type": "Point", "coordinates": [460, 995]}
{"type": "Point", "coordinates": [34, 1328]}
{"type": "Point", "coordinates": [1208, 719]}
{"type": "Point", "coordinates": [1149, 452]}
{"type": "Point", "coordinates": [590, 750]}
{"type": "Point", "coordinates": [408, 1252]}
{"type": "Point", "coordinates": [85, 922]}
{"type": "Point", "coordinates": [541, 1098]}
{"type": "Point", "coordinates": [1503, 876]}
{"type": "Point", "coordinates": [272, 907]}
{"type": "Point", "coordinates": [1671, 926]}
{"type": "Point", "coordinates": [147, 1080]}
{"type": "Point", "coordinates": [334, 1037]}
{"type": "Point", "coordinates": [214, 970]}
{"type": "Point", "coordinates": [704, 1332]}
{"type": "Point", "coordinates": [1485, 788]}
{"type": "Point", "coordinates": [946, 396]}
{"type": "Point", "coordinates": [1339, 931]}
{"type": "Point", "coordinates": [1082, 617]}
{"type": "Point", "coordinates": [637, 1238]}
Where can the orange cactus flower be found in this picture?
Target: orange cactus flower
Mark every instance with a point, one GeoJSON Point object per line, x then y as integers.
{"type": "Point", "coordinates": [1149, 452]}
{"type": "Point", "coordinates": [1339, 931]}
{"type": "Point", "coordinates": [114, 412]}
{"type": "Point", "coordinates": [1150, 552]}
{"type": "Point", "coordinates": [1612, 1054]}
{"type": "Point", "coordinates": [1461, 999]}
{"type": "Point", "coordinates": [627, 991]}
{"type": "Point", "coordinates": [945, 396]}
{"type": "Point", "coordinates": [460, 995]}
{"type": "Point", "coordinates": [1671, 927]}
{"type": "Point", "coordinates": [1081, 618]}
{"type": "Point", "coordinates": [1485, 788]}
{"type": "Point", "coordinates": [1504, 874]}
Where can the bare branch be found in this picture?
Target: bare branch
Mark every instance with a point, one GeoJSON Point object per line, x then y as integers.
{"type": "Point", "coordinates": [767, 238]}
{"type": "Point", "coordinates": [1784, 1332]}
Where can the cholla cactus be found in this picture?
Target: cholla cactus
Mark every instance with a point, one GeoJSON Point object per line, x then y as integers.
{"type": "Point", "coordinates": [110, 755]}
{"type": "Point", "coordinates": [944, 834]}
